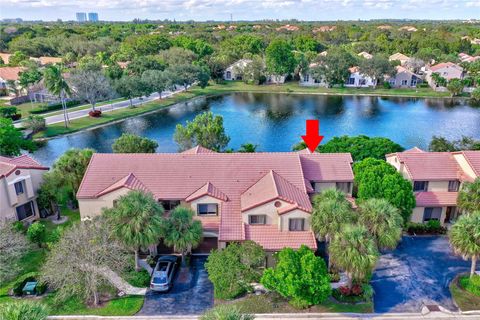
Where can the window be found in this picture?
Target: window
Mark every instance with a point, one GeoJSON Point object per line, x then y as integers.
{"type": "Point", "coordinates": [413, 83]}
{"type": "Point", "coordinates": [404, 82]}
{"type": "Point", "coordinates": [420, 185]}
{"type": "Point", "coordinates": [432, 214]}
{"type": "Point", "coordinates": [317, 80]}
{"type": "Point", "coordinates": [343, 186]}
{"type": "Point", "coordinates": [169, 204]}
{"type": "Point", "coordinates": [392, 82]}
{"type": "Point", "coordinates": [25, 210]}
{"type": "Point", "coordinates": [229, 75]}
{"type": "Point", "coordinates": [306, 77]}
{"type": "Point", "coordinates": [19, 187]}
{"type": "Point", "coordinates": [453, 185]}
{"type": "Point", "coordinates": [363, 82]}
{"type": "Point", "coordinates": [296, 224]}
{"type": "Point", "coordinates": [257, 219]}
{"type": "Point", "coordinates": [351, 81]}
{"type": "Point", "coordinates": [207, 209]}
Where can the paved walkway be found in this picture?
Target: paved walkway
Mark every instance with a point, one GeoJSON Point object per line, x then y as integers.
{"type": "Point", "coordinates": [82, 113]}
{"type": "Point", "coordinates": [192, 293]}
{"type": "Point", "coordinates": [418, 272]}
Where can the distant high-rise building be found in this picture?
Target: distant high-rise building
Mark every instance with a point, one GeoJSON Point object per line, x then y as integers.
{"type": "Point", "coordinates": [92, 16]}
{"type": "Point", "coordinates": [81, 16]}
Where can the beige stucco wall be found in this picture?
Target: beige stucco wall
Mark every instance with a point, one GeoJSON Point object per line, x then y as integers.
{"type": "Point", "coordinates": [205, 199]}
{"type": "Point", "coordinates": [417, 215]}
{"type": "Point", "coordinates": [9, 199]}
{"type": "Point", "coordinates": [90, 208]}
{"type": "Point", "coordinates": [267, 209]}
{"type": "Point", "coordinates": [463, 163]}
{"type": "Point", "coordinates": [393, 160]}
{"type": "Point", "coordinates": [435, 186]}
{"type": "Point", "coordinates": [294, 214]}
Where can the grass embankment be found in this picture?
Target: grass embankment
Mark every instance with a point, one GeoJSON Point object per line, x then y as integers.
{"type": "Point", "coordinates": [233, 86]}
{"type": "Point", "coordinates": [466, 300]}
{"type": "Point", "coordinates": [25, 108]}
{"type": "Point", "coordinates": [273, 303]}
{"type": "Point", "coordinates": [294, 87]}
{"type": "Point", "coordinates": [33, 261]}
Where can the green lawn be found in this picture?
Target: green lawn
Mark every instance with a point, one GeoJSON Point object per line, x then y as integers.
{"type": "Point", "coordinates": [33, 261]}
{"type": "Point", "coordinates": [465, 300]}
{"type": "Point", "coordinates": [294, 87]}
{"type": "Point", "coordinates": [273, 303]}
{"type": "Point", "coordinates": [232, 86]}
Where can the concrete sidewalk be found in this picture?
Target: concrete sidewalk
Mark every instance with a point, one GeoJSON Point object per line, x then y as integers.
{"type": "Point", "coordinates": [58, 118]}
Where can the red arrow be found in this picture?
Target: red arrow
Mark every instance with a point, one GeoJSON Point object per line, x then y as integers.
{"type": "Point", "coordinates": [312, 138]}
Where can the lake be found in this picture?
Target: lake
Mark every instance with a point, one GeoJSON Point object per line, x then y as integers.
{"type": "Point", "coordinates": [275, 122]}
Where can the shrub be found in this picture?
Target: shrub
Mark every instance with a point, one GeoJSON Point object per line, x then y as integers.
{"type": "Point", "coordinates": [8, 112]}
{"type": "Point", "coordinates": [431, 227]}
{"type": "Point", "coordinates": [140, 279]}
{"type": "Point", "coordinates": [358, 293]}
{"type": "Point", "coordinates": [18, 285]}
{"type": "Point", "coordinates": [234, 268]}
{"type": "Point", "coordinates": [95, 113]}
{"type": "Point", "coordinates": [226, 312]}
{"type": "Point", "coordinates": [36, 233]}
{"type": "Point", "coordinates": [386, 85]}
{"type": "Point", "coordinates": [18, 226]}
{"type": "Point", "coordinates": [334, 276]}
{"type": "Point", "coordinates": [300, 276]}
{"type": "Point", "coordinates": [23, 310]}
{"type": "Point", "coordinates": [35, 123]}
{"type": "Point", "coordinates": [54, 107]}
{"type": "Point", "coordinates": [472, 285]}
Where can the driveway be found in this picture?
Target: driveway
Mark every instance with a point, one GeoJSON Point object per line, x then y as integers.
{"type": "Point", "coordinates": [417, 272]}
{"type": "Point", "coordinates": [192, 293]}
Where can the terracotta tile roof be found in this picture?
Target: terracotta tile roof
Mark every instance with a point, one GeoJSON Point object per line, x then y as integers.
{"type": "Point", "coordinates": [49, 60]}
{"type": "Point", "coordinates": [9, 165]}
{"type": "Point", "coordinates": [473, 159]}
{"type": "Point", "coordinates": [327, 166]}
{"type": "Point", "coordinates": [273, 186]}
{"type": "Point", "coordinates": [5, 57]}
{"type": "Point", "coordinates": [436, 199]}
{"type": "Point", "coordinates": [179, 175]}
{"type": "Point", "coordinates": [10, 73]}
{"type": "Point", "coordinates": [430, 166]}
{"type": "Point", "coordinates": [270, 238]}
{"type": "Point", "coordinates": [208, 189]}
{"type": "Point", "coordinates": [445, 65]}
{"type": "Point", "coordinates": [129, 181]}
{"type": "Point", "coordinates": [398, 56]}
{"type": "Point", "coordinates": [198, 149]}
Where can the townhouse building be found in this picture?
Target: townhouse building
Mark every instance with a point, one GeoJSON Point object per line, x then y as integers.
{"type": "Point", "coordinates": [437, 178]}
{"type": "Point", "coordinates": [264, 197]}
{"type": "Point", "coordinates": [20, 178]}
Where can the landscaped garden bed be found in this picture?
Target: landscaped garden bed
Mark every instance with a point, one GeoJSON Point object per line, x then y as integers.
{"type": "Point", "coordinates": [432, 227]}
{"type": "Point", "coordinates": [274, 303]}
{"type": "Point", "coordinates": [466, 292]}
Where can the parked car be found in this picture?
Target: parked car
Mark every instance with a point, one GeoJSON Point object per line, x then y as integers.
{"type": "Point", "coordinates": [162, 275]}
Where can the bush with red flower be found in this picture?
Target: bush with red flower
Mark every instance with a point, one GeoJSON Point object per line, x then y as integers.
{"type": "Point", "coordinates": [95, 113]}
{"type": "Point", "coordinates": [357, 293]}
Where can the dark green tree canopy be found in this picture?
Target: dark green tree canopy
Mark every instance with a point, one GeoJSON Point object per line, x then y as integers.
{"type": "Point", "coordinates": [11, 139]}
{"type": "Point", "coordinates": [377, 179]}
{"type": "Point", "coordinates": [232, 269]}
{"type": "Point", "coordinates": [205, 130]}
{"type": "Point", "coordinates": [130, 143]}
{"type": "Point", "coordinates": [279, 57]}
{"type": "Point", "coordinates": [300, 276]}
{"type": "Point", "coordinates": [360, 147]}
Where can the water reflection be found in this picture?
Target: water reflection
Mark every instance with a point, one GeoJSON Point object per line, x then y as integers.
{"type": "Point", "coordinates": [276, 121]}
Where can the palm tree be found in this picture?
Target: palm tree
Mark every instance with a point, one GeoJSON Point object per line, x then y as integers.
{"type": "Point", "coordinates": [136, 220]}
{"type": "Point", "coordinates": [382, 220]}
{"type": "Point", "coordinates": [248, 148]}
{"type": "Point", "coordinates": [354, 251]}
{"type": "Point", "coordinates": [182, 232]}
{"type": "Point", "coordinates": [465, 238]}
{"type": "Point", "coordinates": [331, 210]}
{"type": "Point", "coordinates": [469, 196]}
{"type": "Point", "coordinates": [57, 85]}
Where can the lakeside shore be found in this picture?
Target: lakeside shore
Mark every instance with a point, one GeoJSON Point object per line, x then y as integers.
{"type": "Point", "coordinates": [58, 129]}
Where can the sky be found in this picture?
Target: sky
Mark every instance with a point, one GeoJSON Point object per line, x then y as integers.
{"type": "Point", "coordinates": [201, 10]}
